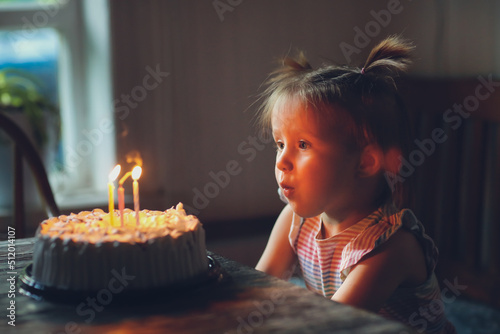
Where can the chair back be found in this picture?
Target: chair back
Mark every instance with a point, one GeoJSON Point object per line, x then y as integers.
{"type": "Point", "coordinates": [24, 150]}
{"type": "Point", "coordinates": [456, 158]}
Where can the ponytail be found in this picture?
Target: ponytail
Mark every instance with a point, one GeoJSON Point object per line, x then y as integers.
{"type": "Point", "coordinates": [389, 57]}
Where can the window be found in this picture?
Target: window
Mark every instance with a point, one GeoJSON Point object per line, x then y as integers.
{"type": "Point", "coordinates": [30, 62]}
{"type": "Point", "coordinates": [66, 44]}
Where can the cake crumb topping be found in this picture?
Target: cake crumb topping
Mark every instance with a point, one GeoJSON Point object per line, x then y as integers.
{"type": "Point", "coordinates": [94, 226]}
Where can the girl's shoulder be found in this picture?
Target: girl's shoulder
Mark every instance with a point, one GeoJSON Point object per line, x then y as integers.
{"type": "Point", "coordinates": [411, 235]}
{"type": "Point", "coordinates": [398, 262]}
{"type": "Point", "coordinates": [405, 253]}
{"type": "Point", "coordinates": [397, 233]}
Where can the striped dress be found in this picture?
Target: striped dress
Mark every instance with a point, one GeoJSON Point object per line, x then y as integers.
{"type": "Point", "coordinates": [325, 263]}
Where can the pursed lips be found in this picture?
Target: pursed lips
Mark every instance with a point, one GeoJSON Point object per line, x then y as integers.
{"type": "Point", "coordinates": [286, 189]}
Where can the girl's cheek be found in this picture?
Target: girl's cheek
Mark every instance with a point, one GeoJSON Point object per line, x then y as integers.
{"type": "Point", "coordinates": [277, 175]}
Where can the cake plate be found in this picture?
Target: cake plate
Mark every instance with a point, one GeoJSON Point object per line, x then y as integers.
{"type": "Point", "coordinates": [28, 286]}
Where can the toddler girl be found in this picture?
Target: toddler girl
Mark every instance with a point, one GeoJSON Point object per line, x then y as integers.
{"type": "Point", "coordinates": [339, 133]}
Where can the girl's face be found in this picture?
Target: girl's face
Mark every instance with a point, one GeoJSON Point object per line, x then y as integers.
{"type": "Point", "coordinates": [315, 172]}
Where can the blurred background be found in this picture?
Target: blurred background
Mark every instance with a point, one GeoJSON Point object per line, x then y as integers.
{"type": "Point", "coordinates": [173, 85]}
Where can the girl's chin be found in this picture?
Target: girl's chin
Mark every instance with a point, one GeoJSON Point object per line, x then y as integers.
{"type": "Point", "coordinates": [302, 211]}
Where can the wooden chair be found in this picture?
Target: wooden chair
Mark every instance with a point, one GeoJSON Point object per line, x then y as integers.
{"type": "Point", "coordinates": [457, 187]}
{"type": "Point", "coordinates": [24, 148]}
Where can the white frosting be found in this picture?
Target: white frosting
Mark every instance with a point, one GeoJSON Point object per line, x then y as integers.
{"type": "Point", "coordinates": [95, 227]}
{"type": "Point", "coordinates": [80, 251]}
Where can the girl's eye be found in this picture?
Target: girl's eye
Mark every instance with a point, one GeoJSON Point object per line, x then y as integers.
{"type": "Point", "coordinates": [279, 146]}
{"type": "Point", "coordinates": [303, 145]}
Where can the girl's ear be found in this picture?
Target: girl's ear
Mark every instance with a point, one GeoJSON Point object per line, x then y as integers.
{"type": "Point", "coordinates": [393, 160]}
{"type": "Point", "coordinates": [371, 161]}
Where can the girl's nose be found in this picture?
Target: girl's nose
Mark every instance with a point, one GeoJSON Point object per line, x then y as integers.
{"type": "Point", "coordinates": [283, 162]}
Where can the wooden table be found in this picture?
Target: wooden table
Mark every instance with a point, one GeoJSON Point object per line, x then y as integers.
{"type": "Point", "coordinates": [247, 301]}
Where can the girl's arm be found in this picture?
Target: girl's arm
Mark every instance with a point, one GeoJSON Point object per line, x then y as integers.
{"type": "Point", "coordinates": [278, 257]}
{"type": "Point", "coordinates": [398, 262]}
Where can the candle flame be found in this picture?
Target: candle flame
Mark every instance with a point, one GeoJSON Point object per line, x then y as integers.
{"type": "Point", "coordinates": [136, 172]}
{"type": "Point", "coordinates": [114, 173]}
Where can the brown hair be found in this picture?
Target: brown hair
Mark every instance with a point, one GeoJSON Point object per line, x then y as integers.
{"type": "Point", "coordinates": [362, 104]}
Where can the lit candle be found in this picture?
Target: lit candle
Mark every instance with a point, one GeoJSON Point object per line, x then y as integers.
{"type": "Point", "coordinates": [121, 195]}
{"type": "Point", "coordinates": [136, 174]}
{"type": "Point", "coordinates": [111, 201]}
{"type": "Point", "coordinates": [121, 202]}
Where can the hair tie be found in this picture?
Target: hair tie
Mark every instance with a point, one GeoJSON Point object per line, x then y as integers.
{"type": "Point", "coordinates": [363, 70]}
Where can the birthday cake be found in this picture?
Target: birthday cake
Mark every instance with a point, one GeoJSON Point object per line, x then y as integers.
{"type": "Point", "coordinates": [89, 251]}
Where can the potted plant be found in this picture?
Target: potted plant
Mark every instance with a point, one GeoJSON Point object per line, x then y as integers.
{"type": "Point", "coordinates": [22, 93]}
